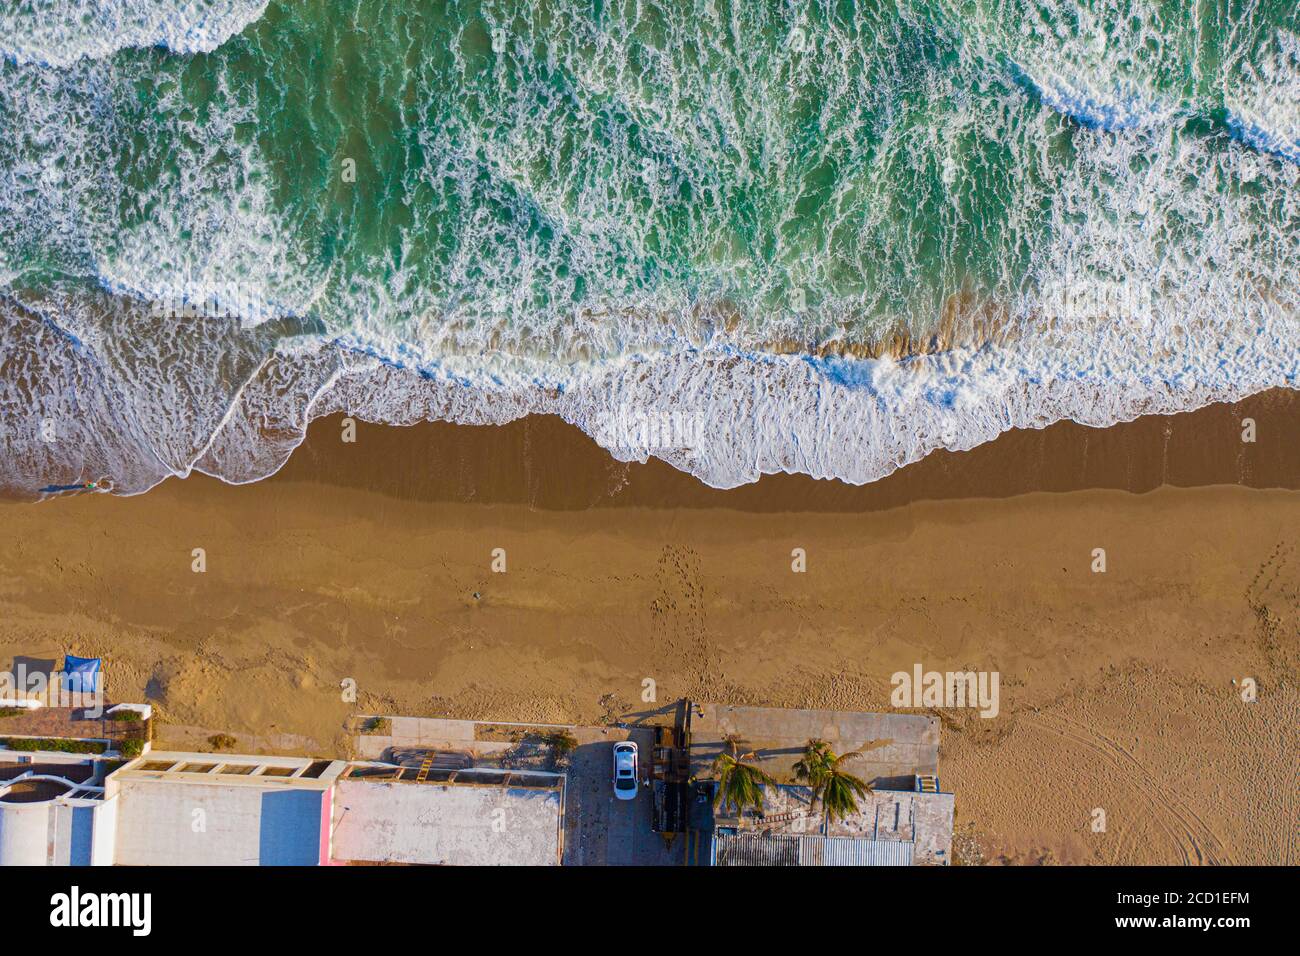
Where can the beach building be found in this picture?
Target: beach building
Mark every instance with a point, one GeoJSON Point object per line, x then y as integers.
{"type": "Point", "coordinates": [53, 812]}
{"type": "Point", "coordinates": [890, 828]}
{"type": "Point", "coordinates": [906, 820]}
{"type": "Point", "coordinates": [209, 809]}
{"type": "Point", "coordinates": [204, 809]}
{"type": "Point", "coordinates": [81, 785]}
{"type": "Point", "coordinates": [442, 792]}
{"type": "Point", "coordinates": [464, 817]}
{"type": "Point", "coordinates": [54, 761]}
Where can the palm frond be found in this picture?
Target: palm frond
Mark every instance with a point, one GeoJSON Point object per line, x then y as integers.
{"type": "Point", "coordinates": [739, 784]}
{"type": "Point", "coordinates": [851, 755]}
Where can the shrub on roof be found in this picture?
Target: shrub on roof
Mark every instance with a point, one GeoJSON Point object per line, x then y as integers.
{"type": "Point", "coordinates": [58, 745]}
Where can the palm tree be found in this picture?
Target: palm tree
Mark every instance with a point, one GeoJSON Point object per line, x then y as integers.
{"type": "Point", "coordinates": [836, 788]}
{"type": "Point", "coordinates": [739, 784]}
{"type": "Point", "coordinates": [812, 766]}
{"type": "Point", "coordinates": [841, 791]}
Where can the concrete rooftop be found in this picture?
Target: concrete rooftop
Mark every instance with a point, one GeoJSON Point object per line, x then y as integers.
{"type": "Point", "coordinates": [896, 746]}
{"type": "Point", "coordinates": [221, 810]}
{"type": "Point", "coordinates": [461, 824]}
{"type": "Point", "coordinates": [922, 819]}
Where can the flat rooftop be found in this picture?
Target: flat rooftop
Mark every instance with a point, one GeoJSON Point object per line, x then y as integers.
{"type": "Point", "coordinates": [923, 821]}
{"type": "Point", "coordinates": [755, 849]}
{"type": "Point", "coordinates": [181, 808]}
{"type": "Point", "coordinates": [895, 746]}
{"type": "Point", "coordinates": [456, 824]}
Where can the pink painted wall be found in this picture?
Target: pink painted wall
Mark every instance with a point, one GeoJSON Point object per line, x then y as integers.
{"type": "Point", "coordinates": [326, 825]}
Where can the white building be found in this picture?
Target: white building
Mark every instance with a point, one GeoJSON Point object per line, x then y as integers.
{"type": "Point", "coordinates": [50, 816]}
{"type": "Point", "coordinates": [204, 809]}
{"type": "Point", "coordinates": [482, 818]}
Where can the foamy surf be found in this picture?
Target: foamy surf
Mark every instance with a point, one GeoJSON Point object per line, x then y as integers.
{"type": "Point", "coordinates": [796, 242]}
{"type": "Point", "coordinates": [723, 416]}
{"type": "Point", "coordinates": [58, 34]}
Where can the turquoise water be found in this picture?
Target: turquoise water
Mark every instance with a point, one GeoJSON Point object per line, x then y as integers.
{"type": "Point", "coordinates": [521, 199]}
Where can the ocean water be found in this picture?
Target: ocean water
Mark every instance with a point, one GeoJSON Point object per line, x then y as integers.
{"type": "Point", "coordinates": [744, 236]}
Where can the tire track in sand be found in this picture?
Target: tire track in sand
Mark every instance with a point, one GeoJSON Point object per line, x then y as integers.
{"type": "Point", "coordinates": [1196, 842]}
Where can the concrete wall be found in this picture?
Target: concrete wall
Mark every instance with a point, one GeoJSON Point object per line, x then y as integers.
{"type": "Point", "coordinates": [104, 839]}
{"type": "Point", "coordinates": [58, 832]}
{"type": "Point", "coordinates": [24, 834]}
{"type": "Point", "coordinates": [71, 831]}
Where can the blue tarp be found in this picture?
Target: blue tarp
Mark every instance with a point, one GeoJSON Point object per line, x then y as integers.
{"type": "Point", "coordinates": [81, 674]}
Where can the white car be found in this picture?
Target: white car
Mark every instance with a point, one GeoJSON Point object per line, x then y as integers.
{"type": "Point", "coordinates": [625, 771]}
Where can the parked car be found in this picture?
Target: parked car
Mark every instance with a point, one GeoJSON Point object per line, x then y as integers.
{"type": "Point", "coordinates": [625, 770]}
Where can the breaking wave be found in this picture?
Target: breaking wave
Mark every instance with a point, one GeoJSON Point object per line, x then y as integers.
{"type": "Point", "coordinates": [741, 237]}
{"type": "Point", "coordinates": [58, 33]}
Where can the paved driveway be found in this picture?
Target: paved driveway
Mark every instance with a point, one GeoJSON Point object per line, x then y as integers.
{"type": "Point", "coordinates": [601, 830]}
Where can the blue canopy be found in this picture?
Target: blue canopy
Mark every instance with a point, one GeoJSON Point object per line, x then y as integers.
{"type": "Point", "coordinates": [81, 674]}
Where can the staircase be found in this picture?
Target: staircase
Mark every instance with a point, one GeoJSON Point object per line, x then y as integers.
{"type": "Point", "coordinates": [927, 783]}
{"type": "Point", "coordinates": [787, 817]}
{"type": "Point", "coordinates": [425, 766]}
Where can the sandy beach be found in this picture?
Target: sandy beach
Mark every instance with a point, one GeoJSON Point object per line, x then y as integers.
{"type": "Point", "coordinates": [372, 560]}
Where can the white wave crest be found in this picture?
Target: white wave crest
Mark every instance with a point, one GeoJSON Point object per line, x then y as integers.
{"type": "Point", "coordinates": [1263, 99]}
{"type": "Point", "coordinates": [60, 33]}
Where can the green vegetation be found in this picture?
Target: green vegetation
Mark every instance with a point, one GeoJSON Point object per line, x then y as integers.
{"type": "Point", "coordinates": [739, 784]}
{"type": "Point", "coordinates": [221, 741]}
{"type": "Point", "coordinates": [379, 726]}
{"type": "Point", "coordinates": [13, 711]}
{"type": "Point", "coordinates": [563, 742]}
{"type": "Point", "coordinates": [53, 744]}
{"type": "Point", "coordinates": [132, 748]}
{"type": "Point", "coordinates": [127, 716]}
{"type": "Point", "coordinates": [837, 790]}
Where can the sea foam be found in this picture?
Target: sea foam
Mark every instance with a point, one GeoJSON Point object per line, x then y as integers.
{"type": "Point", "coordinates": [749, 249]}
{"type": "Point", "coordinates": [61, 32]}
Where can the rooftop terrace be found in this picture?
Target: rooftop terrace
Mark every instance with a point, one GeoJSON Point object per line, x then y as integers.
{"type": "Point", "coordinates": [73, 723]}
{"type": "Point", "coordinates": [895, 746]}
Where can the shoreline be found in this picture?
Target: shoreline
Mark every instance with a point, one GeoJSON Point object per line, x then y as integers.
{"type": "Point", "coordinates": [729, 419]}
{"type": "Point", "coordinates": [546, 463]}
{"type": "Point", "coordinates": [373, 561]}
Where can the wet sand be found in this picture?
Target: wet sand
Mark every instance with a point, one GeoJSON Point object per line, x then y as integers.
{"type": "Point", "coordinates": [373, 561]}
